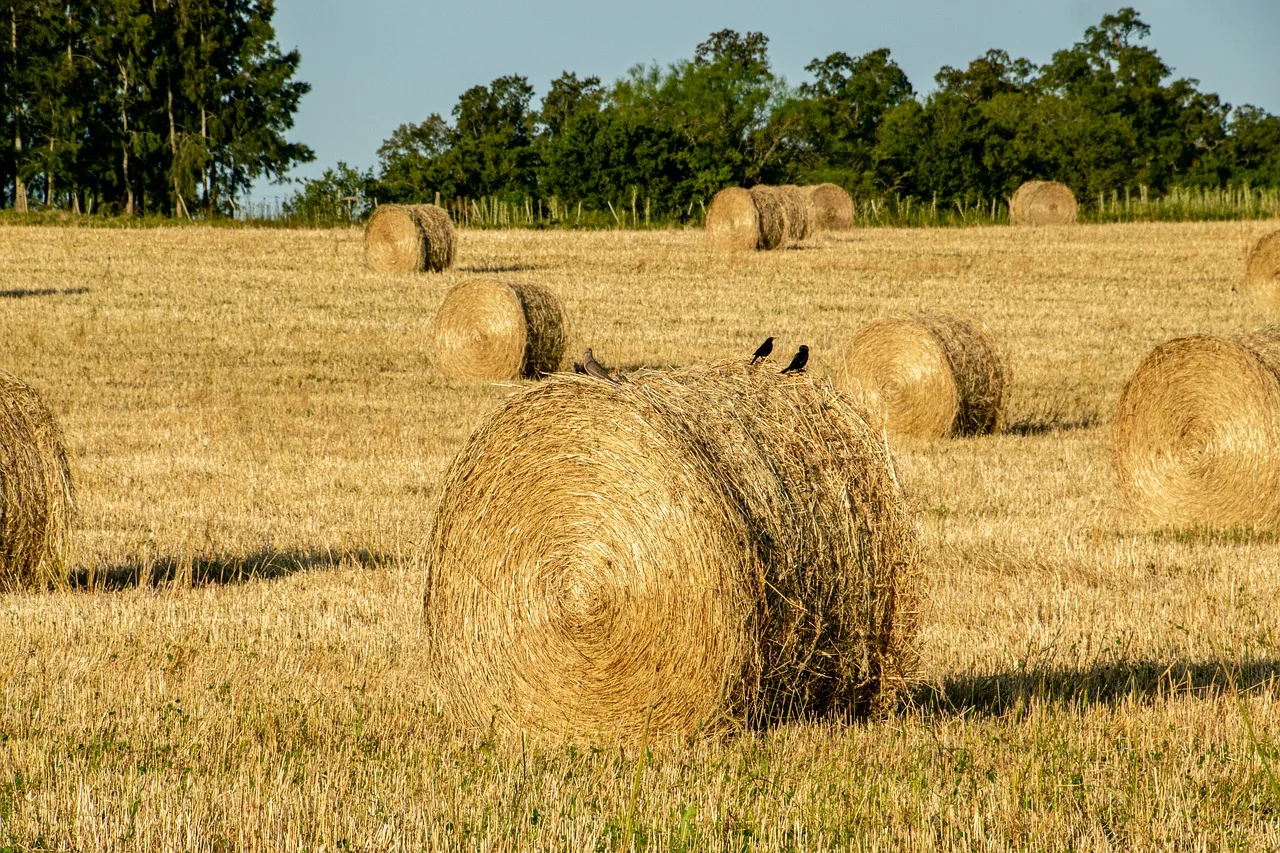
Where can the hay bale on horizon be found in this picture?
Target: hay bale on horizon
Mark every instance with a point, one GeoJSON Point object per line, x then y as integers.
{"type": "Point", "coordinates": [772, 207]}
{"type": "Point", "coordinates": [687, 550]}
{"type": "Point", "coordinates": [1262, 272]}
{"type": "Point", "coordinates": [409, 238]}
{"type": "Point", "coordinates": [1043, 203]}
{"type": "Point", "coordinates": [37, 503]}
{"type": "Point", "coordinates": [1196, 436]}
{"type": "Point", "coordinates": [932, 375]}
{"type": "Point", "coordinates": [796, 201]}
{"type": "Point", "coordinates": [733, 222]}
{"type": "Point", "coordinates": [830, 208]}
{"type": "Point", "coordinates": [492, 329]}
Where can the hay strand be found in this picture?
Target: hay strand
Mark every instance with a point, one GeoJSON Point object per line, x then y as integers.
{"type": "Point", "coordinates": [771, 205]}
{"type": "Point", "coordinates": [830, 208]}
{"type": "Point", "coordinates": [1262, 272]}
{"type": "Point", "coordinates": [409, 238]}
{"type": "Point", "coordinates": [37, 504]}
{"type": "Point", "coordinates": [733, 221]}
{"type": "Point", "coordinates": [932, 375]}
{"type": "Point", "coordinates": [685, 550]}
{"type": "Point", "coordinates": [1042, 203]}
{"type": "Point", "coordinates": [1196, 437]}
{"type": "Point", "coordinates": [491, 329]}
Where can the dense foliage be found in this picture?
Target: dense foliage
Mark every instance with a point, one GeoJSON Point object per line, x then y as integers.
{"type": "Point", "coordinates": [1104, 115]}
{"type": "Point", "coordinates": [134, 106]}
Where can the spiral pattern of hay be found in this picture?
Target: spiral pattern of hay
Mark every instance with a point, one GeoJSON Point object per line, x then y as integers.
{"type": "Point", "coordinates": [771, 204]}
{"type": "Point", "coordinates": [409, 238]}
{"type": "Point", "coordinates": [36, 500]}
{"type": "Point", "coordinates": [1042, 203]}
{"type": "Point", "coordinates": [830, 208]}
{"type": "Point", "coordinates": [933, 375]}
{"type": "Point", "coordinates": [1196, 437]}
{"type": "Point", "coordinates": [490, 329]}
{"type": "Point", "coordinates": [1262, 272]}
{"type": "Point", "coordinates": [733, 221]}
{"type": "Point", "coordinates": [796, 201]}
{"type": "Point", "coordinates": [681, 551]}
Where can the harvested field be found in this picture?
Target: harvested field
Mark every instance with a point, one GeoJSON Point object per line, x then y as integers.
{"type": "Point", "coordinates": [255, 416]}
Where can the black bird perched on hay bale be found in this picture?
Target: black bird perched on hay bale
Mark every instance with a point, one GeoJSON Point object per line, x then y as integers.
{"type": "Point", "coordinates": [593, 368]}
{"type": "Point", "coordinates": [764, 350]}
{"type": "Point", "coordinates": [799, 361]}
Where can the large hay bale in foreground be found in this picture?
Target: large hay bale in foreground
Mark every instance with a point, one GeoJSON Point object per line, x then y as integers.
{"type": "Point", "coordinates": [830, 208]}
{"type": "Point", "coordinates": [1262, 272]}
{"type": "Point", "coordinates": [733, 222]}
{"type": "Point", "coordinates": [796, 202]}
{"type": "Point", "coordinates": [491, 329]}
{"type": "Point", "coordinates": [932, 375]}
{"type": "Point", "coordinates": [409, 238]}
{"type": "Point", "coordinates": [772, 207]}
{"type": "Point", "coordinates": [1042, 203]}
{"type": "Point", "coordinates": [685, 550]}
{"type": "Point", "coordinates": [36, 500]}
{"type": "Point", "coordinates": [1196, 437]}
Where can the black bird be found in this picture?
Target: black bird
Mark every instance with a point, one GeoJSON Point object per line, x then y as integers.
{"type": "Point", "coordinates": [763, 351]}
{"type": "Point", "coordinates": [593, 368]}
{"type": "Point", "coordinates": [797, 364]}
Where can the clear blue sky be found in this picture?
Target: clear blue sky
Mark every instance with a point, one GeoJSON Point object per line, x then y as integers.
{"type": "Point", "coordinates": [376, 64]}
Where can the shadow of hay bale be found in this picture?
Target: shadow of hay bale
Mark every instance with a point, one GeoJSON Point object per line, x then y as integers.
{"type": "Point", "coordinates": [492, 269]}
{"type": "Point", "coordinates": [1044, 424]}
{"type": "Point", "coordinates": [263, 564]}
{"type": "Point", "coordinates": [23, 292]}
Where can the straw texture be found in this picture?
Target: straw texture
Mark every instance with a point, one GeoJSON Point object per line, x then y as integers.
{"type": "Point", "coordinates": [932, 375]}
{"type": "Point", "coordinates": [684, 551]}
{"type": "Point", "coordinates": [36, 500]}
{"type": "Point", "coordinates": [830, 208]}
{"type": "Point", "coordinates": [796, 201]}
{"type": "Point", "coordinates": [491, 329]}
{"type": "Point", "coordinates": [1042, 203]}
{"type": "Point", "coordinates": [733, 221]}
{"type": "Point", "coordinates": [771, 205]}
{"type": "Point", "coordinates": [1262, 272]}
{"type": "Point", "coordinates": [409, 238]}
{"type": "Point", "coordinates": [1196, 437]}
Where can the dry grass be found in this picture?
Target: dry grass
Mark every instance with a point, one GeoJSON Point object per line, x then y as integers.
{"type": "Point", "coordinates": [241, 403]}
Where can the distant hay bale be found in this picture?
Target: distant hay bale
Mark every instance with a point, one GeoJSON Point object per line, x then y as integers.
{"type": "Point", "coordinates": [679, 552]}
{"type": "Point", "coordinates": [830, 208]}
{"type": "Point", "coordinates": [733, 222]}
{"type": "Point", "coordinates": [36, 500]}
{"type": "Point", "coordinates": [1262, 271]}
{"type": "Point", "coordinates": [1042, 203]}
{"type": "Point", "coordinates": [933, 375]}
{"type": "Point", "coordinates": [490, 329]}
{"type": "Point", "coordinates": [409, 238]}
{"type": "Point", "coordinates": [1196, 437]}
{"type": "Point", "coordinates": [771, 205]}
{"type": "Point", "coordinates": [796, 201]}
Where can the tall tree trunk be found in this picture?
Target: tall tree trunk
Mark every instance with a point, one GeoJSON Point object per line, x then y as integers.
{"type": "Point", "coordinates": [179, 206]}
{"type": "Point", "coordinates": [48, 178]}
{"type": "Point", "coordinates": [19, 186]}
{"type": "Point", "coordinates": [124, 148]}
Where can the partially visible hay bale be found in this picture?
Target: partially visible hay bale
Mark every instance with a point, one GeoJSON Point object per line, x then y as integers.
{"type": "Point", "coordinates": [830, 208]}
{"type": "Point", "coordinates": [1196, 437]}
{"type": "Point", "coordinates": [409, 238]}
{"type": "Point", "coordinates": [1042, 203]}
{"type": "Point", "coordinates": [36, 499]}
{"type": "Point", "coordinates": [932, 375]}
{"type": "Point", "coordinates": [773, 216]}
{"type": "Point", "coordinates": [681, 551]}
{"type": "Point", "coordinates": [490, 329]}
{"type": "Point", "coordinates": [733, 221]}
{"type": "Point", "coordinates": [796, 201]}
{"type": "Point", "coordinates": [1262, 271]}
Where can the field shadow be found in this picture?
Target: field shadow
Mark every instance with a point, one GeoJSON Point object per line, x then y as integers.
{"type": "Point", "coordinates": [1043, 424]}
{"type": "Point", "coordinates": [263, 564]}
{"type": "Point", "coordinates": [23, 292]}
{"type": "Point", "coordinates": [497, 268]}
{"type": "Point", "coordinates": [1104, 684]}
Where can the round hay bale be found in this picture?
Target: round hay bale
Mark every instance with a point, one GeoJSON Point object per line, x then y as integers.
{"type": "Point", "coordinates": [733, 221]}
{"type": "Point", "coordinates": [830, 208]}
{"type": "Point", "coordinates": [491, 329]}
{"type": "Point", "coordinates": [933, 375]}
{"type": "Point", "coordinates": [409, 238]}
{"type": "Point", "coordinates": [1196, 437]}
{"type": "Point", "coordinates": [36, 500]}
{"type": "Point", "coordinates": [1262, 271]}
{"type": "Point", "coordinates": [796, 201]}
{"type": "Point", "coordinates": [1042, 203]}
{"type": "Point", "coordinates": [708, 547]}
{"type": "Point", "coordinates": [772, 207]}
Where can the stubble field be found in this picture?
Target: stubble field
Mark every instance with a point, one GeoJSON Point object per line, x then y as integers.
{"type": "Point", "coordinates": [256, 423]}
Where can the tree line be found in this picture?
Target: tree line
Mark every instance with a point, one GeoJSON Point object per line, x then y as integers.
{"type": "Point", "coordinates": [171, 107]}
{"type": "Point", "coordinates": [1104, 114]}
